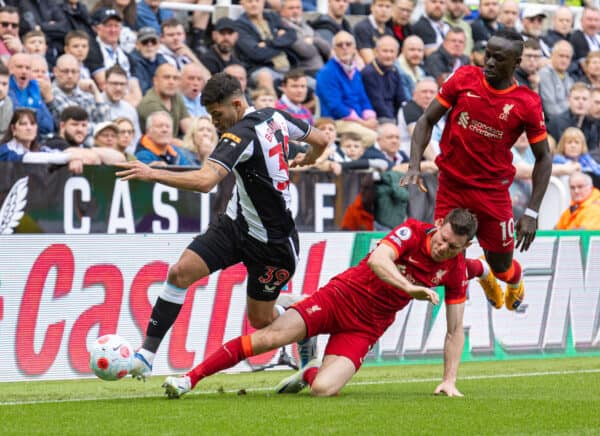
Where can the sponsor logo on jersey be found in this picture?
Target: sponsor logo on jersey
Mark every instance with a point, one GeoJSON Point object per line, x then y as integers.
{"type": "Point", "coordinates": [506, 111]}
{"type": "Point", "coordinates": [403, 233]}
{"type": "Point", "coordinates": [313, 309]}
{"type": "Point", "coordinates": [232, 137]}
{"type": "Point", "coordinates": [465, 121]}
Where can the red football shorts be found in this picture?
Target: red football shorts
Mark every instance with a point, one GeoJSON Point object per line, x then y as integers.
{"type": "Point", "coordinates": [323, 314]}
{"type": "Point", "coordinates": [492, 207]}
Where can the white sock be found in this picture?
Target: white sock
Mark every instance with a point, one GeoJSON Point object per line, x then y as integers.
{"type": "Point", "coordinates": [280, 309]}
{"type": "Point", "coordinates": [486, 268]}
{"type": "Point", "coordinates": [148, 355]}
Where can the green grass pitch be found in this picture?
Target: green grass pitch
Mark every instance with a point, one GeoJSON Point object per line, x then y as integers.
{"type": "Point", "coordinates": [555, 396]}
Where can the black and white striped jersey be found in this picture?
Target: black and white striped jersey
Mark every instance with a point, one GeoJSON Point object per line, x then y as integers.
{"type": "Point", "coordinates": [256, 150]}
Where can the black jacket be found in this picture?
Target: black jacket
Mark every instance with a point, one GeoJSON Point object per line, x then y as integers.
{"type": "Point", "coordinates": [384, 89]}
{"type": "Point", "coordinates": [558, 124]}
{"type": "Point", "coordinates": [441, 62]}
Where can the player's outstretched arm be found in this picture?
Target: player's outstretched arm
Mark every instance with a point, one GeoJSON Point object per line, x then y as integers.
{"type": "Point", "coordinates": [202, 180]}
{"type": "Point", "coordinates": [419, 142]}
{"type": "Point", "coordinates": [318, 143]}
{"type": "Point", "coordinates": [542, 170]}
{"type": "Point", "coordinates": [382, 263]}
{"type": "Point", "coordinates": [453, 347]}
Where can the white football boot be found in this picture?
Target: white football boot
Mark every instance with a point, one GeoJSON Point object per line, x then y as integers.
{"type": "Point", "coordinates": [295, 382]}
{"type": "Point", "coordinates": [141, 369]}
{"type": "Point", "coordinates": [175, 387]}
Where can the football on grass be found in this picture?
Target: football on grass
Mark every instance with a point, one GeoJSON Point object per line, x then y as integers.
{"type": "Point", "coordinates": [111, 357]}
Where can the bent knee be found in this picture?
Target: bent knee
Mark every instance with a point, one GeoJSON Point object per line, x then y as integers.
{"type": "Point", "coordinates": [177, 276]}
{"type": "Point", "coordinates": [258, 322]}
{"type": "Point", "coordinates": [321, 389]}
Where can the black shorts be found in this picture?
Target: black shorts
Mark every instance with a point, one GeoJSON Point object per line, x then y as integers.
{"type": "Point", "coordinates": [270, 265]}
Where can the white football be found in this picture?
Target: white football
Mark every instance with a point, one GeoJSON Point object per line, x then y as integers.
{"type": "Point", "coordinates": [111, 357]}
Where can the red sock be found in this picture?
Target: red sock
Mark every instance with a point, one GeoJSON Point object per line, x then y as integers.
{"type": "Point", "coordinates": [225, 357]}
{"type": "Point", "coordinates": [310, 374]}
{"type": "Point", "coordinates": [474, 268]}
{"type": "Point", "coordinates": [512, 276]}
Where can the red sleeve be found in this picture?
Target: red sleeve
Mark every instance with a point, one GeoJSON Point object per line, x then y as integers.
{"type": "Point", "coordinates": [456, 285]}
{"type": "Point", "coordinates": [449, 90]}
{"type": "Point", "coordinates": [534, 121]}
{"type": "Point", "coordinates": [402, 238]}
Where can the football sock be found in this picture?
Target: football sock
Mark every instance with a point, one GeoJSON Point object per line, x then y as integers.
{"type": "Point", "coordinates": [164, 314]}
{"type": "Point", "coordinates": [225, 357]}
{"type": "Point", "coordinates": [476, 268]}
{"type": "Point", "coordinates": [512, 276]}
{"type": "Point", "coordinates": [310, 374]}
{"type": "Point", "coordinates": [279, 309]}
{"type": "Point", "coordinates": [148, 355]}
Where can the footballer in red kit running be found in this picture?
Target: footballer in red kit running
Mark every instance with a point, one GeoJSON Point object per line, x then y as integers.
{"type": "Point", "coordinates": [358, 305]}
{"type": "Point", "coordinates": [487, 111]}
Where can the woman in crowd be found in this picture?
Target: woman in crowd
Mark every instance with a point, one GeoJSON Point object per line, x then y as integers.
{"type": "Point", "coordinates": [572, 147]}
{"type": "Point", "coordinates": [125, 137]}
{"type": "Point", "coordinates": [201, 139]}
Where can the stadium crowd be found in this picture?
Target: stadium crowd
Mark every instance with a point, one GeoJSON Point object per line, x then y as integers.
{"type": "Point", "coordinates": [123, 81]}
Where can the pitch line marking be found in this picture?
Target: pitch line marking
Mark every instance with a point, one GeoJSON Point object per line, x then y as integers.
{"type": "Point", "coordinates": [365, 383]}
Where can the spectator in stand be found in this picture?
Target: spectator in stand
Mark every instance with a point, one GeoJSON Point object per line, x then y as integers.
{"type": "Point", "coordinates": [149, 14]}
{"type": "Point", "coordinates": [125, 138]}
{"type": "Point", "coordinates": [486, 24]}
{"type": "Point", "coordinates": [449, 57]}
{"type": "Point", "coordinates": [584, 211]}
{"type": "Point", "coordinates": [10, 43]}
{"type": "Point", "coordinates": [342, 94]}
{"type": "Point", "coordinates": [533, 25]}
{"type": "Point", "coordinates": [156, 146]}
{"type": "Point", "coordinates": [424, 93]}
{"type": "Point", "coordinates": [175, 50]}
{"type": "Point", "coordinates": [294, 91]}
{"type": "Point", "coordinates": [477, 57]}
{"type": "Point", "coordinates": [263, 98]}
{"type": "Point", "coordinates": [77, 44]}
{"type": "Point", "coordinates": [78, 18]}
{"type": "Point", "coordinates": [455, 19]}
{"type": "Point", "coordinates": [6, 105]}
{"type": "Point", "coordinates": [576, 116]}
{"type": "Point", "coordinates": [26, 92]}
{"type": "Point", "coordinates": [128, 10]}
{"type": "Point", "coordinates": [562, 26]}
{"type": "Point", "coordinates": [192, 83]}
{"type": "Point", "coordinates": [387, 147]}
{"type": "Point", "coordinates": [20, 144]}
{"type": "Point", "coordinates": [373, 27]}
{"type": "Point", "coordinates": [39, 70]}
{"type": "Point", "coordinates": [350, 156]}
{"type": "Point", "coordinates": [114, 94]}
{"type": "Point", "coordinates": [106, 135]}
{"type": "Point", "coordinates": [400, 23]}
{"type": "Point", "coordinates": [146, 57]}
{"type": "Point", "coordinates": [555, 81]}
{"type": "Point", "coordinates": [72, 132]}
{"type": "Point", "coordinates": [221, 53]}
{"type": "Point", "coordinates": [164, 96]}
{"type": "Point", "coordinates": [327, 126]}
{"type": "Point", "coordinates": [591, 69]}
{"type": "Point", "coordinates": [310, 49]}
{"type": "Point", "coordinates": [410, 63]}
{"type": "Point", "coordinates": [573, 147]}
{"type": "Point", "coordinates": [527, 73]}
{"type": "Point", "coordinates": [594, 112]}
{"type": "Point", "coordinates": [334, 21]}
{"type": "Point", "coordinates": [587, 39]}
{"type": "Point", "coordinates": [508, 16]}
{"type": "Point", "coordinates": [431, 27]}
{"type": "Point", "coordinates": [201, 139]}
{"type": "Point", "coordinates": [68, 90]}
{"type": "Point", "coordinates": [239, 72]}
{"type": "Point", "coordinates": [34, 43]}
{"type": "Point", "coordinates": [382, 81]}
{"type": "Point", "coordinates": [263, 44]}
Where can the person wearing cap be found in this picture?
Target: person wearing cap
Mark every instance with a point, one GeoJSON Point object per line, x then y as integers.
{"type": "Point", "coordinates": [454, 16]}
{"type": "Point", "coordinates": [477, 57]}
{"type": "Point", "coordinates": [156, 146]}
{"type": "Point", "coordinates": [69, 90]}
{"type": "Point", "coordinates": [533, 22]}
{"type": "Point", "coordinates": [150, 15]}
{"type": "Point", "coordinates": [486, 24]}
{"type": "Point", "coordinates": [587, 39]}
{"type": "Point", "coordinates": [105, 143]}
{"type": "Point", "coordinates": [220, 54]}
{"type": "Point", "coordinates": [146, 57]}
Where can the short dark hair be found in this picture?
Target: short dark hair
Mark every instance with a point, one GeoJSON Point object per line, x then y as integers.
{"type": "Point", "coordinates": [33, 34]}
{"type": "Point", "coordinates": [513, 36]}
{"type": "Point", "coordinates": [350, 136]}
{"type": "Point", "coordinates": [220, 88]}
{"type": "Point", "coordinates": [22, 112]}
{"type": "Point", "coordinates": [532, 44]}
{"type": "Point", "coordinates": [463, 222]}
{"type": "Point", "coordinates": [294, 74]}
{"type": "Point", "coordinates": [115, 69]}
{"type": "Point", "coordinates": [76, 34]}
{"type": "Point", "coordinates": [9, 10]}
{"type": "Point", "coordinates": [171, 22]}
{"type": "Point", "coordinates": [3, 70]}
{"type": "Point", "coordinates": [76, 113]}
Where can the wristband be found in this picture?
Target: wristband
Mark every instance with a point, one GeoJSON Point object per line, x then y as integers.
{"type": "Point", "coordinates": [531, 213]}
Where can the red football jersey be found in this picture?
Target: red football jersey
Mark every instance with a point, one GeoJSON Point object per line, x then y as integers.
{"type": "Point", "coordinates": [378, 301]}
{"type": "Point", "coordinates": [482, 126]}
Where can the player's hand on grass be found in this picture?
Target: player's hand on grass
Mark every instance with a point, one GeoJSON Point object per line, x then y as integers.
{"type": "Point", "coordinates": [447, 388]}
{"type": "Point", "coordinates": [135, 170]}
{"type": "Point", "coordinates": [424, 294]}
{"type": "Point", "coordinates": [526, 227]}
{"type": "Point", "coordinates": [413, 177]}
